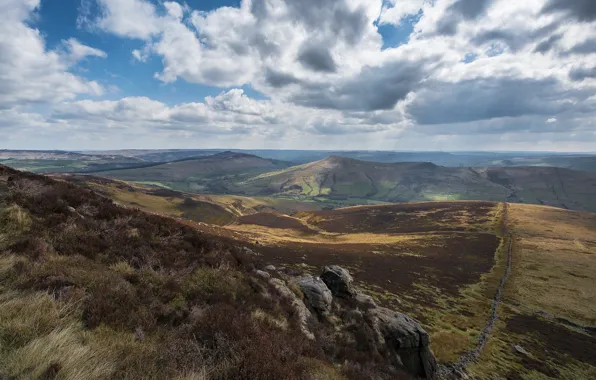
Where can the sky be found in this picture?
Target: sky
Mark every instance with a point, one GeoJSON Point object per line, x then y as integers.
{"type": "Point", "coordinates": [505, 75]}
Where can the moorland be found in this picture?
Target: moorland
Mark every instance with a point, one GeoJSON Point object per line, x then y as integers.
{"type": "Point", "coordinates": [504, 288]}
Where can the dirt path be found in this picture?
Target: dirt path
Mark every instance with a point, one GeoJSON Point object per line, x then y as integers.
{"type": "Point", "coordinates": [458, 369]}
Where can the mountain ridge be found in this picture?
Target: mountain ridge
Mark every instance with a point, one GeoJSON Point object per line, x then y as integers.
{"type": "Point", "coordinates": [340, 177]}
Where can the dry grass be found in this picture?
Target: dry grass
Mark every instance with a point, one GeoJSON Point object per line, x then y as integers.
{"type": "Point", "coordinates": [263, 316]}
{"type": "Point", "coordinates": [448, 345]}
{"type": "Point", "coordinates": [556, 262]}
{"type": "Point", "coordinates": [64, 352]}
{"type": "Point", "coordinates": [40, 336]}
{"type": "Point", "coordinates": [273, 236]}
{"type": "Point", "coordinates": [558, 277]}
{"type": "Point", "coordinates": [14, 222]}
{"type": "Point", "coordinates": [552, 223]}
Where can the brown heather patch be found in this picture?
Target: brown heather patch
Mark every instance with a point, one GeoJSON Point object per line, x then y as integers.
{"type": "Point", "coordinates": [563, 343]}
{"type": "Point", "coordinates": [405, 218]}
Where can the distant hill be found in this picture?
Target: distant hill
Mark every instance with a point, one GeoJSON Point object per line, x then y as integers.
{"type": "Point", "coordinates": [574, 161]}
{"type": "Point", "coordinates": [584, 163]}
{"type": "Point", "coordinates": [342, 178]}
{"type": "Point", "coordinates": [205, 173]}
{"type": "Point", "coordinates": [55, 161]}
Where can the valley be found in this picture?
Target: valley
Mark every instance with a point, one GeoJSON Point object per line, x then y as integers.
{"type": "Point", "coordinates": [338, 181]}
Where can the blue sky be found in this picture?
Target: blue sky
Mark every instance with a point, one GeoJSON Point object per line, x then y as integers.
{"type": "Point", "coordinates": [339, 74]}
{"type": "Point", "coordinates": [57, 21]}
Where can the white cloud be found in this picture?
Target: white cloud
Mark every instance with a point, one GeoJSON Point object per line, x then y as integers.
{"type": "Point", "coordinates": [472, 68]}
{"type": "Point", "coordinates": [396, 10]}
{"type": "Point", "coordinates": [28, 72]}
{"type": "Point", "coordinates": [77, 51]}
{"type": "Point", "coordinates": [128, 18]}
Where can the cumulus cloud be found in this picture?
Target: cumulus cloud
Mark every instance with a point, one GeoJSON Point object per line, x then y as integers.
{"type": "Point", "coordinates": [374, 88]}
{"type": "Point", "coordinates": [469, 68]}
{"type": "Point", "coordinates": [128, 18]}
{"type": "Point", "coordinates": [317, 58]}
{"type": "Point", "coordinates": [460, 11]}
{"type": "Point", "coordinates": [226, 113]}
{"type": "Point", "coordinates": [491, 98]}
{"type": "Point", "coordinates": [394, 11]}
{"type": "Point", "coordinates": [29, 73]}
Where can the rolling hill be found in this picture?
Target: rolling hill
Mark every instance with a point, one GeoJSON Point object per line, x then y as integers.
{"type": "Point", "coordinates": [575, 161]}
{"type": "Point", "coordinates": [205, 208]}
{"type": "Point", "coordinates": [200, 174]}
{"type": "Point", "coordinates": [340, 178]}
{"type": "Point", "coordinates": [54, 161]}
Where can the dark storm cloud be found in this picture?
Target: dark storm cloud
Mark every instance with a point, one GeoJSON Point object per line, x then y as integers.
{"type": "Point", "coordinates": [579, 74]}
{"type": "Point", "coordinates": [378, 88]}
{"type": "Point", "coordinates": [317, 58]}
{"type": "Point", "coordinates": [582, 10]}
{"type": "Point", "coordinates": [490, 98]}
{"type": "Point", "coordinates": [516, 40]}
{"type": "Point", "coordinates": [331, 18]}
{"type": "Point", "coordinates": [586, 47]}
{"type": "Point", "coordinates": [461, 10]}
{"type": "Point", "coordinates": [470, 9]}
{"type": "Point", "coordinates": [278, 79]}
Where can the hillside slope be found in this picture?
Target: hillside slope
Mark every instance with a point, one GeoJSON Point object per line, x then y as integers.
{"type": "Point", "coordinates": [211, 209]}
{"type": "Point", "coordinates": [344, 178]}
{"type": "Point", "coordinates": [442, 262]}
{"type": "Point", "coordinates": [208, 173]}
{"type": "Point", "coordinates": [92, 290]}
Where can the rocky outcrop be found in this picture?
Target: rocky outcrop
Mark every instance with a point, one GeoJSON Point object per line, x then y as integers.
{"type": "Point", "coordinates": [317, 293]}
{"type": "Point", "coordinates": [356, 318]}
{"type": "Point", "coordinates": [405, 339]}
{"type": "Point", "coordinates": [338, 280]}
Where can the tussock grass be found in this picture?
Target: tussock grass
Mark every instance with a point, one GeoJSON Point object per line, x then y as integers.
{"type": "Point", "coordinates": [14, 222]}
{"type": "Point", "coordinates": [63, 352]}
{"type": "Point", "coordinates": [40, 336]}
{"type": "Point", "coordinates": [263, 316]}
{"type": "Point", "coordinates": [23, 317]}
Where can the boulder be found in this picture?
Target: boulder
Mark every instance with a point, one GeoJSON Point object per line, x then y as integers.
{"type": "Point", "coordinates": [338, 280]}
{"type": "Point", "coordinates": [270, 268]}
{"type": "Point", "coordinates": [264, 275]}
{"type": "Point", "coordinates": [365, 301]}
{"type": "Point", "coordinates": [317, 294]}
{"type": "Point", "coordinates": [406, 340]}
